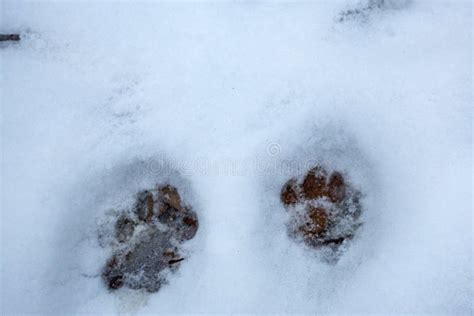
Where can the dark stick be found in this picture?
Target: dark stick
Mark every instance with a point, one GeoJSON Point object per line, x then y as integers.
{"type": "Point", "coordinates": [9, 37]}
{"type": "Point", "coordinates": [173, 261]}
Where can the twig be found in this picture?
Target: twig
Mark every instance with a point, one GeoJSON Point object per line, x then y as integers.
{"type": "Point", "coordinates": [9, 37]}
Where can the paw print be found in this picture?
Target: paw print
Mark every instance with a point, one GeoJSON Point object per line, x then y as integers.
{"type": "Point", "coordinates": [324, 209]}
{"type": "Point", "coordinates": [147, 240]}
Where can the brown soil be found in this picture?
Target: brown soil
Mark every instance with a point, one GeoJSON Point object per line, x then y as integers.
{"type": "Point", "coordinates": [290, 194]}
{"type": "Point", "coordinates": [314, 184]}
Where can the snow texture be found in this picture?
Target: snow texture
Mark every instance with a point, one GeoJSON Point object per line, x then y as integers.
{"type": "Point", "coordinates": [229, 100]}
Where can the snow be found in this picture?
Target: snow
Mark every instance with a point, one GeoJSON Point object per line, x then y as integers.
{"type": "Point", "coordinates": [102, 99]}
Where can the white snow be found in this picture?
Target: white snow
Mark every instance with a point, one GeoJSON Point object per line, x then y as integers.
{"type": "Point", "coordinates": [97, 96]}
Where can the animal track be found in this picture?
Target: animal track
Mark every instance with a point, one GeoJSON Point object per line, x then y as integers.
{"type": "Point", "coordinates": [363, 12]}
{"type": "Point", "coordinates": [147, 239]}
{"type": "Point", "coordinates": [324, 210]}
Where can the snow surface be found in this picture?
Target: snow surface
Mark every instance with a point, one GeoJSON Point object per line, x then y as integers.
{"type": "Point", "coordinates": [101, 99]}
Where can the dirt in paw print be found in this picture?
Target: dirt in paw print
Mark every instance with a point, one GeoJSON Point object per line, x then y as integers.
{"type": "Point", "coordinates": [324, 210]}
{"type": "Point", "coordinates": [147, 239]}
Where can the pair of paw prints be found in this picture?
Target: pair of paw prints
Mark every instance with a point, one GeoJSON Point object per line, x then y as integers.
{"type": "Point", "coordinates": [324, 210]}
{"type": "Point", "coordinates": [148, 237]}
